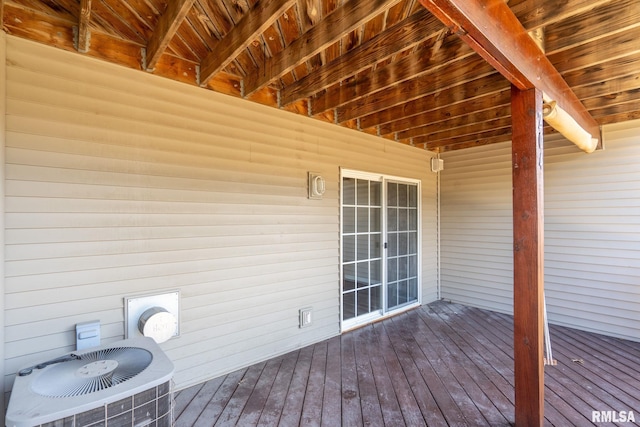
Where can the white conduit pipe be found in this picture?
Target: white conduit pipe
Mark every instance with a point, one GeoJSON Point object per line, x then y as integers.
{"type": "Point", "coordinates": [561, 121]}
{"type": "Point", "coordinates": [548, 359]}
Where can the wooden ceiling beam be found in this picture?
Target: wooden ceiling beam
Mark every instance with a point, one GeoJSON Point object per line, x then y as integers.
{"type": "Point", "coordinates": [591, 26]}
{"type": "Point", "coordinates": [484, 107]}
{"type": "Point", "coordinates": [404, 35]}
{"type": "Point", "coordinates": [617, 45]}
{"type": "Point", "coordinates": [477, 140]}
{"type": "Point", "coordinates": [469, 69]}
{"type": "Point", "coordinates": [411, 66]}
{"type": "Point", "coordinates": [464, 136]}
{"type": "Point", "coordinates": [616, 68]}
{"type": "Point", "coordinates": [310, 13]}
{"type": "Point", "coordinates": [166, 28]}
{"type": "Point", "coordinates": [547, 12]}
{"type": "Point", "coordinates": [438, 113]}
{"type": "Point", "coordinates": [250, 27]}
{"type": "Point", "coordinates": [608, 89]}
{"type": "Point", "coordinates": [393, 73]}
{"type": "Point", "coordinates": [434, 53]}
{"type": "Point", "coordinates": [480, 93]}
{"type": "Point", "coordinates": [328, 31]}
{"type": "Point", "coordinates": [460, 123]}
{"type": "Point", "coordinates": [493, 31]}
{"type": "Point", "coordinates": [618, 113]}
{"type": "Point", "coordinates": [472, 141]}
{"type": "Point", "coordinates": [83, 35]}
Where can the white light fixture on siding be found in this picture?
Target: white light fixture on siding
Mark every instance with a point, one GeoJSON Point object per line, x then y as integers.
{"type": "Point", "coordinates": [316, 185]}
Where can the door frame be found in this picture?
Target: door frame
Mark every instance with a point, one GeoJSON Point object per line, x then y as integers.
{"type": "Point", "coordinates": [382, 313]}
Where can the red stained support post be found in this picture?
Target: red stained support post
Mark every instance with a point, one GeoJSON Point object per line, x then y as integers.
{"type": "Point", "coordinates": [528, 255]}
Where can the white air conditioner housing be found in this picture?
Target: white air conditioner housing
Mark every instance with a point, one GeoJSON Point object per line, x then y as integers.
{"type": "Point", "coordinates": [126, 383]}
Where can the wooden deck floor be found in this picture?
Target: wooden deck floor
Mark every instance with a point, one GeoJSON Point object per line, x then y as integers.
{"type": "Point", "coordinates": [441, 364]}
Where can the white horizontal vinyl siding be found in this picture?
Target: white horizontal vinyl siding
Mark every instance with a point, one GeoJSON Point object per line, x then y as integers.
{"type": "Point", "coordinates": [592, 234]}
{"type": "Point", "coordinates": [120, 183]}
{"type": "Point", "coordinates": [592, 231]}
{"type": "Point", "coordinates": [476, 240]}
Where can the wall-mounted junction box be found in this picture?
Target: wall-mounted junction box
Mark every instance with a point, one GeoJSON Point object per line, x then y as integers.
{"type": "Point", "coordinates": [305, 317]}
{"type": "Point", "coordinates": [87, 334]}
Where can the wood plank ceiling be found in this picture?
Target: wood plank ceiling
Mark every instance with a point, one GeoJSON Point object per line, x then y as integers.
{"type": "Point", "coordinates": [384, 67]}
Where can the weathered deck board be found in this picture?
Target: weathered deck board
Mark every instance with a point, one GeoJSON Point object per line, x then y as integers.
{"type": "Point", "coordinates": [441, 364]}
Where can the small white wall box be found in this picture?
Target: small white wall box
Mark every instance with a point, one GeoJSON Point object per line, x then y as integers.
{"type": "Point", "coordinates": [316, 185]}
{"type": "Point", "coordinates": [305, 316]}
{"type": "Point", "coordinates": [155, 316]}
{"type": "Point", "coordinates": [87, 334]}
{"type": "Point", "coordinates": [437, 165]}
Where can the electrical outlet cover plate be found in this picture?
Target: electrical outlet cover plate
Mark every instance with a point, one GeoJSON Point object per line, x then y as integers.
{"type": "Point", "coordinates": [305, 317]}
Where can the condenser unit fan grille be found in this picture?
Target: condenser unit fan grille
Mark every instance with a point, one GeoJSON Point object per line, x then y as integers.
{"type": "Point", "coordinates": [127, 383]}
{"type": "Point", "coordinates": [92, 372]}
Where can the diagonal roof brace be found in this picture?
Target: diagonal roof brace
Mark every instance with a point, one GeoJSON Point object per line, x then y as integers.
{"type": "Point", "coordinates": [496, 34]}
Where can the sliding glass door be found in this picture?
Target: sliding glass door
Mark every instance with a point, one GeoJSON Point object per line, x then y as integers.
{"type": "Point", "coordinates": [380, 268]}
{"type": "Point", "coordinates": [402, 244]}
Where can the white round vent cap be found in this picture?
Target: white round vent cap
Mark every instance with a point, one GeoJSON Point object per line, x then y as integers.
{"type": "Point", "coordinates": [157, 323]}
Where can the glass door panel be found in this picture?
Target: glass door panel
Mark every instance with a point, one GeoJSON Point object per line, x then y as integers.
{"type": "Point", "coordinates": [402, 238]}
{"type": "Point", "coordinates": [362, 249]}
{"type": "Point", "coordinates": [379, 247]}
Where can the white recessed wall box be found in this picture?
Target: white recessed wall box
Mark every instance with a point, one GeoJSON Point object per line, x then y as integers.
{"type": "Point", "coordinates": [87, 334]}
{"type": "Point", "coordinates": [304, 315]}
{"type": "Point", "coordinates": [154, 316]}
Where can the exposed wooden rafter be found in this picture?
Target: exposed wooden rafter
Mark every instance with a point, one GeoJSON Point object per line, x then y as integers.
{"type": "Point", "coordinates": [414, 30]}
{"type": "Point", "coordinates": [310, 13]}
{"type": "Point", "coordinates": [343, 20]}
{"type": "Point", "coordinates": [435, 53]}
{"type": "Point", "coordinates": [493, 31]}
{"type": "Point", "coordinates": [83, 36]}
{"type": "Point", "coordinates": [166, 28]}
{"type": "Point", "coordinates": [431, 83]}
{"type": "Point", "coordinates": [436, 119]}
{"type": "Point", "coordinates": [254, 23]}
